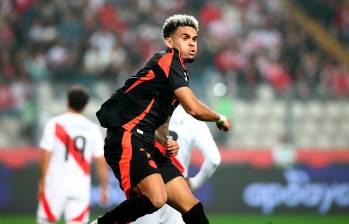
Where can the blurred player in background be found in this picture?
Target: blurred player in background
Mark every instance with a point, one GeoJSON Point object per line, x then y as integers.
{"type": "Point", "coordinates": [188, 132]}
{"type": "Point", "coordinates": [138, 113]}
{"type": "Point", "coordinates": [69, 143]}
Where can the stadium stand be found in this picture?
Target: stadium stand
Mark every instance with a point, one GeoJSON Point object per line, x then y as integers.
{"type": "Point", "coordinates": [277, 77]}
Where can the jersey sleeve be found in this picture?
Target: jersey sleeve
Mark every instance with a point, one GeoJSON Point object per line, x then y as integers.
{"type": "Point", "coordinates": [98, 143]}
{"type": "Point", "coordinates": [48, 137]}
{"type": "Point", "coordinates": [174, 71]}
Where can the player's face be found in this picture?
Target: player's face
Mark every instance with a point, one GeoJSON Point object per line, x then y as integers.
{"type": "Point", "coordinates": [185, 40]}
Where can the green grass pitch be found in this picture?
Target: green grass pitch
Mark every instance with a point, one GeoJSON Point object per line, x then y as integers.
{"type": "Point", "coordinates": [226, 219]}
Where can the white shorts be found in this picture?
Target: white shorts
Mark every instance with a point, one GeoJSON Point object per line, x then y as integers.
{"type": "Point", "coordinates": [54, 203]}
{"type": "Point", "coordinates": [165, 215]}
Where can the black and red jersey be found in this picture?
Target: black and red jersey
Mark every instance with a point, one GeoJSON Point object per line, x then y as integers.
{"type": "Point", "coordinates": [147, 99]}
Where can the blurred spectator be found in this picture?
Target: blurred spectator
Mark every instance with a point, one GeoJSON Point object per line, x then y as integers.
{"type": "Point", "coordinates": [6, 98]}
{"type": "Point", "coordinates": [70, 29]}
{"type": "Point", "coordinates": [41, 33]}
{"type": "Point", "coordinates": [7, 39]}
{"type": "Point", "coordinates": [339, 82]}
{"type": "Point", "coordinates": [209, 13]}
{"type": "Point", "coordinates": [342, 22]}
{"type": "Point", "coordinates": [19, 92]}
{"type": "Point", "coordinates": [110, 19]}
{"type": "Point", "coordinates": [36, 65]}
{"type": "Point", "coordinates": [283, 153]}
{"type": "Point", "coordinates": [92, 62]}
{"type": "Point", "coordinates": [22, 6]}
{"type": "Point", "coordinates": [7, 68]}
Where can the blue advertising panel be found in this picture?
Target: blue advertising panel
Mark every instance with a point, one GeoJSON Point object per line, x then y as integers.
{"type": "Point", "coordinates": [232, 189]}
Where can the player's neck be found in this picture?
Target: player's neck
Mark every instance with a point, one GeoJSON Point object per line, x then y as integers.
{"type": "Point", "coordinates": [73, 111]}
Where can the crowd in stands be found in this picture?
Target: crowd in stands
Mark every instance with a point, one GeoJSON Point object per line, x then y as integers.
{"type": "Point", "coordinates": [333, 14]}
{"type": "Point", "coordinates": [246, 42]}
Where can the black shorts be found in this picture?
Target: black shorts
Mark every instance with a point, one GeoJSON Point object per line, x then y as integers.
{"type": "Point", "coordinates": [132, 158]}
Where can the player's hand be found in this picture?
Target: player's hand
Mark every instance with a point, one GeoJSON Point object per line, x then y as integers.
{"type": "Point", "coordinates": [172, 147]}
{"type": "Point", "coordinates": [224, 124]}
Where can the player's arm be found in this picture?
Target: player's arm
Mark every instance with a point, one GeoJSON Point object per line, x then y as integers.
{"type": "Point", "coordinates": [187, 98]}
{"type": "Point", "coordinates": [46, 145]}
{"type": "Point", "coordinates": [200, 111]}
{"type": "Point", "coordinates": [161, 136]}
{"type": "Point", "coordinates": [162, 132]}
{"type": "Point", "coordinates": [204, 141]}
{"type": "Point", "coordinates": [102, 171]}
{"type": "Point", "coordinates": [45, 158]}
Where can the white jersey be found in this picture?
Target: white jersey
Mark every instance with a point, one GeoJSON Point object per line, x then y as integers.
{"type": "Point", "coordinates": [73, 140]}
{"type": "Point", "coordinates": [194, 133]}
{"type": "Point", "coordinates": [189, 133]}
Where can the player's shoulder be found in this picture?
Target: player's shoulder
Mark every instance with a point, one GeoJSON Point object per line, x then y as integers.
{"type": "Point", "coordinates": [168, 54]}
{"type": "Point", "coordinates": [89, 122]}
{"type": "Point", "coordinates": [54, 119]}
{"type": "Point", "coordinates": [74, 118]}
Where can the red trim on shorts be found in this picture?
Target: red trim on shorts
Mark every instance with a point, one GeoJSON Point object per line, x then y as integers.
{"type": "Point", "coordinates": [165, 62]}
{"type": "Point", "coordinates": [69, 143]}
{"type": "Point", "coordinates": [125, 162]}
{"type": "Point", "coordinates": [82, 215]}
{"type": "Point", "coordinates": [131, 124]}
{"type": "Point", "coordinates": [173, 159]}
{"type": "Point", "coordinates": [150, 75]}
{"type": "Point", "coordinates": [47, 208]}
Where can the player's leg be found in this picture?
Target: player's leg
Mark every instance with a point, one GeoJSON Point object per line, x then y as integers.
{"type": "Point", "coordinates": [181, 198]}
{"type": "Point", "coordinates": [77, 210]}
{"type": "Point", "coordinates": [139, 179]}
{"type": "Point", "coordinates": [179, 195]}
{"type": "Point", "coordinates": [51, 203]}
{"type": "Point", "coordinates": [152, 197]}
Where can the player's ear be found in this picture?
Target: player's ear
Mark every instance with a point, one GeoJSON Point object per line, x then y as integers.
{"type": "Point", "coordinates": [168, 42]}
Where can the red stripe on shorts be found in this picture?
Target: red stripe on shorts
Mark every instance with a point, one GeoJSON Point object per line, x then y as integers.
{"type": "Point", "coordinates": [47, 208]}
{"type": "Point", "coordinates": [173, 159]}
{"type": "Point", "coordinates": [80, 217]}
{"type": "Point", "coordinates": [125, 161]}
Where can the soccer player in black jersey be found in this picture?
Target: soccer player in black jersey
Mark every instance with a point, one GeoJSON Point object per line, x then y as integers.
{"type": "Point", "coordinates": [137, 115]}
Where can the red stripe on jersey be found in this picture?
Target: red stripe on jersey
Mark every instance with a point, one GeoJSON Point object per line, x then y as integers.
{"type": "Point", "coordinates": [165, 62]}
{"type": "Point", "coordinates": [182, 60]}
{"type": "Point", "coordinates": [81, 217]}
{"type": "Point", "coordinates": [47, 208]}
{"type": "Point", "coordinates": [70, 144]}
{"type": "Point", "coordinates": [125, 161]}
{"type": "Point", "coordinates": [126, 155]}
{"type": "Point", "coordinates": [130, 125]}
{"type": "Point", "coordinates": [173, 159]}
{"type": "Point", "coordinates": [150, 75]}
